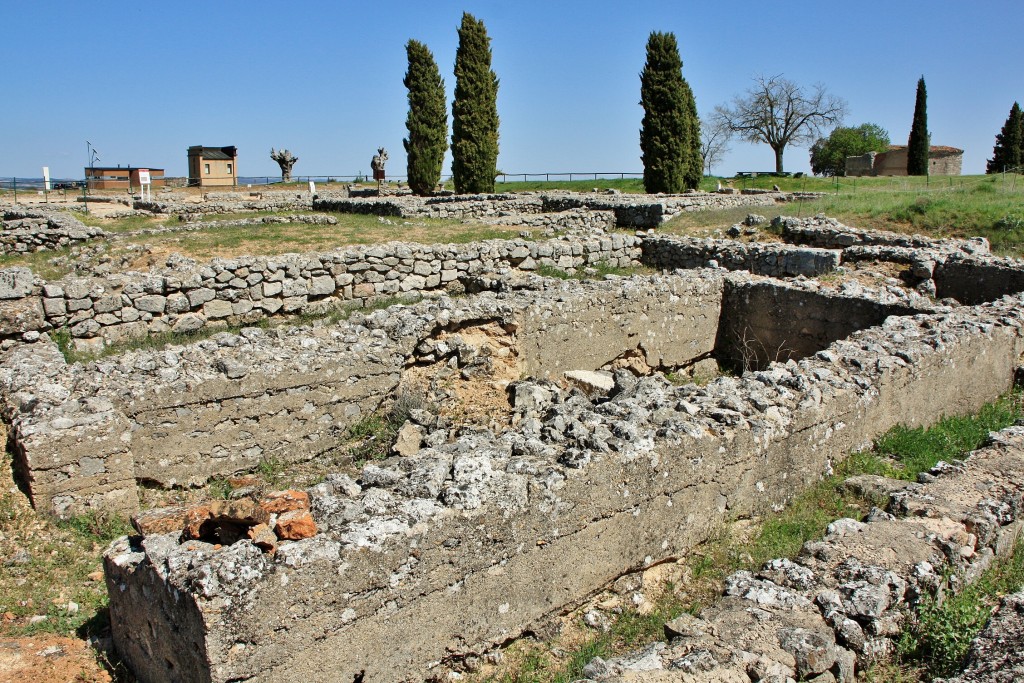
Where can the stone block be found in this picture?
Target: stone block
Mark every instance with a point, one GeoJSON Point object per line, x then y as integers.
{"type": "Point", "coordinates": [321, 286]}
{"type": "Point", "coordinates": [152, 303]}
{"type": "Point", "coordinates": [15, 283]}
{"type": "Point", "coordinates": [54, 307]}
{"type": "Point", "coordinates": [198, 297]}
{"type": "Point", "coordinates": [217, 309]}
{"type": "Point", "coordinates": [18, 316]}
{"type": "Point", "coordinates": [188, 323]}
{"type": "Point", "coordinates": [107, 304]}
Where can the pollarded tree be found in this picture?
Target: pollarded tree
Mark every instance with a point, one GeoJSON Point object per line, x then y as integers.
{"type": "Point", "coordinates": [474, 111]}
{"type": "Point", "coordinates": [1008, 152]}
{"type": "Point", "coordinates": [780, 113]}
{"type": "Point", "coordinates": [828, 155]}
{"type": "Point", "coordinates": [286, 160]}
{"type": "Point", "coordinates": [427, 121]}
{"type": "Point", "coordinates": [917, 143]}
{"type": "Point", "coordinates": [670, 132]}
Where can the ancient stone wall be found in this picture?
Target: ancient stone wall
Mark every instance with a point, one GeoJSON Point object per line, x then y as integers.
{"type": "Point", "coordinates": [771, 259]}
{"type": "Point", "coordinates": [462, 546]}
{"type": "Point", "coordinates": [229, 202]}
{"type": "Point", "coordinates": [631, 211]}
{"type": "Point", "coordinates": [27, 230]}
{"type": "Point", "coordinates": [225, 404]}
{"type": "Point", "coordinates": [971, 280]}
{"type": "Point", "coordinates": [97, 311]}
{"type": "Point", "coordinates": [763, 323]}
{"type": "Point", "coordinates": [186, 297]}
{"type": "Point", "coordinates": [841, 605]}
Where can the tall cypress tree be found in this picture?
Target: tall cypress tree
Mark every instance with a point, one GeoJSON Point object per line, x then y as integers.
{"type": "Point", "coordinates": [917, 144]}
{"type": "Point", "coordinates": [474, 111]}
{"type": "Point", "coordinates": [427, 121]}
{"type": "Point", "coordinates": [670, 132]}
{"type": "Point", "coordinates": [1008, 152]}
{"type": "Point", "coordinates": [695, 169]}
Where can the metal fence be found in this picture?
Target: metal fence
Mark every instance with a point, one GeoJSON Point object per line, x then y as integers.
{"type": "Point", "coordinates": [842, 184]}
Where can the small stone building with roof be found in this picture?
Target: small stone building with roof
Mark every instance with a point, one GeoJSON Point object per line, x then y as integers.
{"type": "Point", "coordinates": [942, 160]}
{"type": "Point", "coordinates": [212, 166]}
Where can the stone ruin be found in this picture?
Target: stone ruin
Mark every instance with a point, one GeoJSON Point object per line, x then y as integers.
{"type": "Point", "coordinates": [546, 455]}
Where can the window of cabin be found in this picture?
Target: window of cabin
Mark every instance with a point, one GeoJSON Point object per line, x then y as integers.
{"type": "Point", "coordinates": [229, 169]}
{"type": "Point", "coordinates": [206, 169]}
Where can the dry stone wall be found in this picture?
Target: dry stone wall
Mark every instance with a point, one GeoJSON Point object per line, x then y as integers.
{"type": "Point", "coordinates": [187, 297]}
{"type": "Point", "coordinates": [28, 230]}
{"type": "Point", "coordinates": [631, 211]}
{"type": "Point", "coordinates": [244, 290]}
{"type": "Point", "coordinates": [772, 259]}
{"type": "Point", "coordinates": [464, 544]}
{"type": "Point", "coordinates": [228, 202]}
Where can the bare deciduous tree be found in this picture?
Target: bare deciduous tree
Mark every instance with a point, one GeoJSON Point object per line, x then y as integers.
{"type": "Point", "coordinates": [714, 141]}
{"type": "Point", "coordinates": [286, 160]}
{"type": "Point", "coordinates": [779, 113]}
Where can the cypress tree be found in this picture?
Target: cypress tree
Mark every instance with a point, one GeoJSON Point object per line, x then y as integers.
{"type": "Point", "coordinates": [695, 171]}
{"type": "Point", "coordinates": [917, 144]}
{"type": "Point", "coordinates": [427, 121]}
{"type": "Point", "coordinates": [474, 111]}
{"type": "Point", "coordinates": [1008, 152]}
{"type": "Point", "coordinates": [670, 132]}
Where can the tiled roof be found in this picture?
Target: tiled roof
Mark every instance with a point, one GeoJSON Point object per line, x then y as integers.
{"type": "Point", "coordinates": [215, 153]}
{"type": "Point", "coordinates": [934, 150]}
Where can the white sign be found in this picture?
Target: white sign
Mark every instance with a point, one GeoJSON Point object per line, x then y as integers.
{"type": "Point", "coordinates": [144, 176]}
{"type": "Point", "coordinates": [312, 188]}
{"type": "Point", "coordinates": [46, 178]}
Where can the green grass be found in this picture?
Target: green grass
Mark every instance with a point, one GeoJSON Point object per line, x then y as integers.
{"type": "Point", "coordinates": [919, 449]}
{"type": "Point", "coordinates": [949, 206]}
{"type": "Point", "coordinates": [50, 565]}
{"type": "Point", "coordinates": [940, 633]}
{"type": "Point", "coordinates": [375, 433]}
{"type": "Point", "coordinates": [39, 262]}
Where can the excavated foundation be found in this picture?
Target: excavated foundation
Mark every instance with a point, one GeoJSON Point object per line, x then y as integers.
{"type": "Point", "coordinates": [182, 416]}
{"type": "Point", "coordinates": [482, 532]}
{"type": "Point", "coordinates": [548, 453]}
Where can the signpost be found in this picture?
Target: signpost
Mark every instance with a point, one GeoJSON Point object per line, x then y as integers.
{"type": "Point", "coordinates": [145, 183]}
{"type": "Point", "coordinates": [46, 182]}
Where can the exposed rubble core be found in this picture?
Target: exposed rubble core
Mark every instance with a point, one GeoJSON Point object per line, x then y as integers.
{"type": "Point", "coordinates": [542, 428]}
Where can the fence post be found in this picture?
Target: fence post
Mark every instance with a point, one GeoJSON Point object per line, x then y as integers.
{"type": "Point", "coordinates": [14, 184]}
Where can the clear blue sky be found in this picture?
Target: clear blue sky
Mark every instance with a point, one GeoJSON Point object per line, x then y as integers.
{"type": "Point", "coordinates": [144, 80]}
